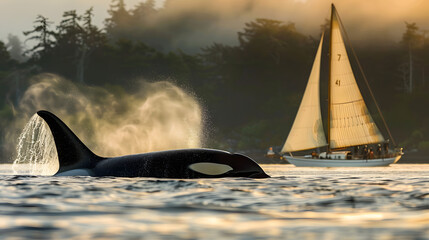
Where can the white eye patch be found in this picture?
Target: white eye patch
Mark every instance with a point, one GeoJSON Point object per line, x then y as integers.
{"type": "Point", "coordinates": [210, 168]}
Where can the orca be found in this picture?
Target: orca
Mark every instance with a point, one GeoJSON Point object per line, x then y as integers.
{"type": "Point", "coordinates": [76, 159]}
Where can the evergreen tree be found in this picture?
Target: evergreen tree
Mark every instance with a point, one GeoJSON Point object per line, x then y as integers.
{"type": "Point", "coordinates": [15, 48]}
{"type": "Point", "coordinates": [117, 25]}
{"type": "Point", "coordinates": [143, 10]}
{"type": "Point", "coordinates": [413, 41]}
{"type": "Point", "coordinates": [412, 36]}
{"type": "Point", "coordinates": [6, 62]}
{"type": "Point", "coordinates": [43, 36]}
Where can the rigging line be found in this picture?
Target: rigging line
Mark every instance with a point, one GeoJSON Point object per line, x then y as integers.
{"type": "Point", "coordinates": [366, 80]}
{"type": "Point", "coordinates": [343, 103]}
{"type": "Point", "coordinates": [328, 149]}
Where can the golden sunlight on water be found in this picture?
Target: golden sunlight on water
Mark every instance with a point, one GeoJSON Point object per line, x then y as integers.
{"type": "Point", "coordinates": [296, 203]}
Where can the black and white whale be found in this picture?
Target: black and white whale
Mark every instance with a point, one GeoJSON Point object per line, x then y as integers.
{"type": "Point", "coordinates": [77, 159]}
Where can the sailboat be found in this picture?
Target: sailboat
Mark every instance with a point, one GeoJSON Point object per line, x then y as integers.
{"type": "Point", "coordinates": [349, 122]}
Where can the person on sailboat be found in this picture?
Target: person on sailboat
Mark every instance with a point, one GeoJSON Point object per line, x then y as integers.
{"type": "Point", "coordinates": [379, 150]}
{"type": "Point", "coordinates": [314, 154]}
{"type": "Point", "coordinates": [356, 150]}
{"type": "Point", "coordinates": [386, 147]}
{"type": "Point", "coordinates": [365, 152]}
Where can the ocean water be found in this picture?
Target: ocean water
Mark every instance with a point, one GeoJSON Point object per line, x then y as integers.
{"type": "Point", "coordinates": [296, 203]}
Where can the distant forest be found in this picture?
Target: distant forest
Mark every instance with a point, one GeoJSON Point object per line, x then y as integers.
{"type": "Point", "coordinates": [250, 91]}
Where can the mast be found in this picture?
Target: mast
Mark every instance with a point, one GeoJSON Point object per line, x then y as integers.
{"type": "Point", "coordinates": [329, 82]}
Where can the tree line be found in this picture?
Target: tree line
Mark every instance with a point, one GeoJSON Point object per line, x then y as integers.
{"type": "Point", "coordinates": [251, 91]}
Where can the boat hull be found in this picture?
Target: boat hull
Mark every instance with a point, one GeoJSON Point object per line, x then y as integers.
{"type": "Point", "coordinates": [317, 162]}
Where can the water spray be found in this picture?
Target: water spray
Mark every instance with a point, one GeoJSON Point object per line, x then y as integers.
{"type": "Point", "coordinates": [156, 116]}
{"type": "Point", "coordinates": [36, 151]}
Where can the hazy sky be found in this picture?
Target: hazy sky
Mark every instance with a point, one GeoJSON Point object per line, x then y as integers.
{"type": "Point", "coordinates": [363, 19]}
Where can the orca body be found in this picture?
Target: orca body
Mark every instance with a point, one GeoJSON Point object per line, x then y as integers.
{"type": "Point", "coordinates": [76, 159]}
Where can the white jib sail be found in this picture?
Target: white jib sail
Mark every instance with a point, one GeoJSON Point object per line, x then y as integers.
{"type": "Point", "coordinates": [307, 130]}
{"type": "Point", "coordinates": [350, 122]}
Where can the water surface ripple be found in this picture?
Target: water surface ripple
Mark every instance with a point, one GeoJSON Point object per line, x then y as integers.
{"type": "Point", "coordinates": [296, 203]}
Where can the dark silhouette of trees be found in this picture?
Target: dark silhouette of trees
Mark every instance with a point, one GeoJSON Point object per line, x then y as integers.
{"type": "Point", "coordinates": [15, 48]}
{"type": "Point", "coordinates": [117, 25]}
{"type": "Point", "coordinates": [251, 90]}
{"type": "Point", "coordinates": [7, 66]}
{"type": "Point", "coordinates": [414, 44]}
{"type": "Point", "coordinates": [67, 50]}
{"type": "Point", "coordinates": [43, 36]}
{"type": "Point", "coordinates": [78, 38]}
{"type": "Point", "coordinates": [143, 10]}
{"type": "Point", "coordinates": [6, 62]}
{"type": "Point", "coordinates": [252, 79]}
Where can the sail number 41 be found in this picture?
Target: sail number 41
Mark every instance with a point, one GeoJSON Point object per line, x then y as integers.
{"type": "Point", "coordinates": [338, 82]}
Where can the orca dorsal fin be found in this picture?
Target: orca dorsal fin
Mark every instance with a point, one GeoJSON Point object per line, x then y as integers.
{"type": "Point", "coordinates": [72, 153]}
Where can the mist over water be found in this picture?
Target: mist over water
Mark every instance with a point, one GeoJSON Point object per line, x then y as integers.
{"type": "Point", "coordinates": [156, 116]}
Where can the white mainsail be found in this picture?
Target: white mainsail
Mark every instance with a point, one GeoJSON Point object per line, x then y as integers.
{"type": "Point", "coordinates": [350, 122]}
{"type": "Point", "coordinates": [307, 130]}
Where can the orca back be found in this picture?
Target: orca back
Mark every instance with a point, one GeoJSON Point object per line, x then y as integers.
{"type": "Point", "coordinates": [76, 159]}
